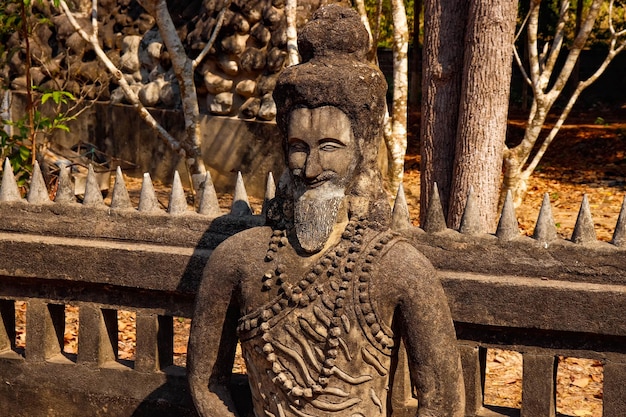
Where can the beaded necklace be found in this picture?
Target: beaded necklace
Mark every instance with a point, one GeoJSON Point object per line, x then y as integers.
{"type": "Point", "coordinates": [345, 251]}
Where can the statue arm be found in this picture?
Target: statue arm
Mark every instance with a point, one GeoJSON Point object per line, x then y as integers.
{"type": "Point", "coordinates": [429, 337]}
{"type": "Point", "coordinates": [213, 340]}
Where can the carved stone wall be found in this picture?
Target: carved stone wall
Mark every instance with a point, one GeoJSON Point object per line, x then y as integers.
{"type": "Point", "coordinates": [235, 79]}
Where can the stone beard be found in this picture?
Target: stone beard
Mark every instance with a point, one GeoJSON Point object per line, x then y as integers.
{"type": "Point", "coordinates": [315, 214]}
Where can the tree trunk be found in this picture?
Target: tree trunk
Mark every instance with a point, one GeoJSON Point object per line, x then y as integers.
{"type": "Point", "coordinates": [444, 27]}
{"type": "Point", "coordinates": [396, 143]}
{"type": "Point", "coordinates": [466, 77]}
{"type": "Point", "coordinates": [483, 110]}
{"type": "Point", "coordinates": [415, 75]}
{"type": "Point", "coordinates": [293, 57]}
{"type": "Point", "coordinates": [183, 68]}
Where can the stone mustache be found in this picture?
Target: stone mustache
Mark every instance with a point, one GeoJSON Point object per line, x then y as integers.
{"type": "Point", "coordinates": [322, 296]}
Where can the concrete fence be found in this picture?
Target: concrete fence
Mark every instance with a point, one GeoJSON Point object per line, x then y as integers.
{"type": "Point", "coordinates": [542, 296]}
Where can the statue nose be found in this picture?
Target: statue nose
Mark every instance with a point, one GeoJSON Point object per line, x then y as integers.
{"type": "Point", "coordinates": [313, 167]}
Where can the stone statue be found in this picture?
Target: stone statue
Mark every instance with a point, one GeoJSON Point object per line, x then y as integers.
{"type": "Point", "coordinates": [321, 297]}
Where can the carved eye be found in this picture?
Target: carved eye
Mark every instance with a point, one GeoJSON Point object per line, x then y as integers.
{"type": "Point", "coordinates": [331, 146]}
{"type": "Point", "coordinates": [298, 146]}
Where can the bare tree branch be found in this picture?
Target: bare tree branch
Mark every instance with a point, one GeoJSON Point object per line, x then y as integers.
{"type": "Point", "coordinates": [119, 78]}
{"type": "Point", "coordinates": [209, 44]}
{"type": "Point", "coordinates": [559, 36]}
{"type": "Point", "coordinates": [293, 57]}
{"type": "Point", "coordinates": [518, 167]}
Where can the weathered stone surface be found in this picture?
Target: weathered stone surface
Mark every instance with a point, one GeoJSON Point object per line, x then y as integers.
{"type": "Point", "coordinates": [221, 103]}
{"type": "Point", "coordinates": [253, 34]}
{"type": "Point", "coordinates": [77, 44]}
{"type": "Point", "coordinates": [129, 61]}
{"type": "Point", "coordinates": [239, 24]}
{"type": "Point", "coordinates": [273, 16]}
{"type": "Point", "coordinates": [279, 34]}
{"type": "Point", "coordinates": [170, 94]}
{"type": "Point", "coordinates": [246, 88]}
{"type": "Point", "coordinates": [276, 60]}
{"type": "Point", "coordinates": [234, 44]}
{"type": "Point", "coordinates": [149, 94]}
{"type": "Point", "coordinates": [216, 84]}
{"type": "Point", "coordinates": [266, 84]}
{"type": "Point", "coordinates": [253, 60]}
{"type": "Point", "coordinates": [252, 9]}
{"type": "Point", "coordinates": [250, 108]}
{"type": "Point", "coordinates": [326, 290]}
{"type": "Point", "coordinates": [229, 65]}
{"type": "Point", "coordinates": [260, 34]}
{"type": "Point", "coordinates": [268, 108]}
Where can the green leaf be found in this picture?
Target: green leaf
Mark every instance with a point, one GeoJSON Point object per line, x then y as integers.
{"type": "Point", "coordinates": [62, 127]}
{"type": "Point", "coordinates": [24, 153]}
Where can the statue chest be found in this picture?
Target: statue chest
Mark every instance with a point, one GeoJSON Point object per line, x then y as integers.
{"type": "Point", "coordinates": [317, 346]}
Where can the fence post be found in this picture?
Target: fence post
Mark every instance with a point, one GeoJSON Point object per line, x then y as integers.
{"type": "Point", "coordinates": [539, 385]}
{"type": "Point", "coordinates": [614, 390]}
{"type": "Point", "coordinates": [97, 334]}
{"type": "Point", "coordinates": [7, 325]}
{"type": "Point", "coordinates": [474, 362]}
{"type": "Point", "coordinates": [45, 325]}
{"type": "Point", "coordinates": [155, 342]}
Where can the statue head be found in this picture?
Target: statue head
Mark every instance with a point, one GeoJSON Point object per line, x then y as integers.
{"type": "Point", "coordinates": [330, 110]}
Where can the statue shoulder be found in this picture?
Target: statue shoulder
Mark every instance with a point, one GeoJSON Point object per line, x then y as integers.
{"type": "Point", "coordinates": [401, 265]}
{"type": "Point", "coordinates": [246, 240]}
{"type": "Point", "coordinates": [238, 248]}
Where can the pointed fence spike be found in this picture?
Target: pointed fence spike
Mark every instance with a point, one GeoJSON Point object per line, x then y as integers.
{"type": "Point", "coordinates": [400, 218]}
{"type": "Point", "coordinates": [38, 192]}
{"type": "Point", "coordinates": [120, 199]}
{"type": "Point", "coordinates": [148, 201]}
{"type": "Point", "coordinates": [507, 226]}
{"type": "Point", "coordinates": [270, 193]}
{"type": "Point", "coordinates": [209, 204]}
{"type": "Point", "coordinates": [65, 189]}
{"type": "Point", "coordinates": [619, 235]}
{"type": "Point", "coordinates": [241, 205]}
{"type": "Point", "coordinates": [8, 189]}
{"type": "Point", "coordinates": [178, 201]}
{"type": "Point", "coordinates": [584, 230]}
{"type": "Point", "coordinates": [545, 229]}
{"type": "Point", "coordinates": [435, 220]}
{"type": "Point", "coordinates": [93, 195]}
{"type": "Point", "coordinates": [470, 222]}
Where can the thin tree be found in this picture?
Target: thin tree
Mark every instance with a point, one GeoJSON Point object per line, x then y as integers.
{"type": "Point", "coordinates": [395, 132]}
{"type": "Point", "coordinates": [291, 7]}
{"type": "Point", "coordinates": [548, 84]}
{"type": "Point", "coordinates": [465, 87]}
{"type": "Point", "coordinates": [184, 68]}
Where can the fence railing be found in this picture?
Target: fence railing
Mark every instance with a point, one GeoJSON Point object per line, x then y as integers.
{"type": "Point", "coordinates": [544, 297]}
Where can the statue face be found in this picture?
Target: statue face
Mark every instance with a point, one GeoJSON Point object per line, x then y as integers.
{"type": "Point", "coordinates": [321, 147]}
{"type": "Point", "coordinates": [321, 155]}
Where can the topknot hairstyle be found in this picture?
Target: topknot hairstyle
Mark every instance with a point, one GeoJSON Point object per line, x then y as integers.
{"type": "Point", "coordinates": [334, 72]}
